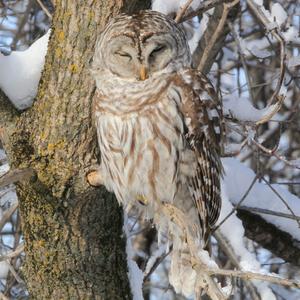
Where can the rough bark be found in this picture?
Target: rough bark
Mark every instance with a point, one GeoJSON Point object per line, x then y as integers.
{"type": "Point", "coordinates": [74, 243]}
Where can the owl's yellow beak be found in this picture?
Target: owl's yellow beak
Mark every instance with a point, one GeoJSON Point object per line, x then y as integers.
{"type": "Point", "coordinates": [143, 73]}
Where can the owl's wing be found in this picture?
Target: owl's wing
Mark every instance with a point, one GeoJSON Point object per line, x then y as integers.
{"type": "Point", "coordinates": [204, 128]}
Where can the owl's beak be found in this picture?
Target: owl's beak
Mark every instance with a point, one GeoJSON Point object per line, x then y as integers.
{"type": "Point", "coordinates": [143, 73]}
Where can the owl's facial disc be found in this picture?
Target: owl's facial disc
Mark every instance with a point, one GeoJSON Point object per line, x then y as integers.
{"type": "Point", "coordinates": [135, 60]}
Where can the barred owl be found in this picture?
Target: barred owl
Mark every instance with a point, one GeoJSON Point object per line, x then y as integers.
{"type": "Point", "coordinates": [157, 120]}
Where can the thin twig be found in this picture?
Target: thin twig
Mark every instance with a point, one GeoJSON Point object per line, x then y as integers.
{"type": "Point", "coordinates": [14, 253]}
{"type": "Point", "coordinates": [7, 214]}
{"type": "Point", "coordinates": [276, 99]}
{"type": "Point", "coordinates": [272, 152]}
{"type": "Point", "coordinates": [226, 247]}
{"type": "Point", "coordinates": [183, 10]}
{"type": "Point", "coordinates": [45, 9]}
{"type": "Point", "coordinates": [158, 261]}
{"type": "Point", "coordinates": [202, 8]}
{"type": "Point", "coordinates": [282, 199]}
{"type": "Point", "coordinates": [243, 60]}
{"type": "Point", "coordinates": [269, 212]}
{"type": "Point", "coordinates": [15, 274]}
{"type": "Point", "coordinates": [255, 276]}
{"type": "Point", "coordinates": [238, 204]}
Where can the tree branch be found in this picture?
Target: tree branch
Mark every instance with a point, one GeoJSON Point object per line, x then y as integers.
{"type": "Point", "coordinates": [270, 237]}
{"type": "Point", "coordinates": [14, 176]}
{"type": "Point", "coordinates": [213, 38]}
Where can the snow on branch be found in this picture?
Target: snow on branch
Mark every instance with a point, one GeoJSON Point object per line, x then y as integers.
{"type": "Point", "coordinates": [238, 178]}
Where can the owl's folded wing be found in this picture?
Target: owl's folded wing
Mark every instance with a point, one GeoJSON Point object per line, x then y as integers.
{"type": "Point", "coordinates": [204, 128]}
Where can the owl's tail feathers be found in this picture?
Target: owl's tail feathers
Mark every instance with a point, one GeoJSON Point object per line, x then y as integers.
{"type": "Point", "coordinates": [191, 266]}
{"type": "Point", "coordinates": [188, 274]}
{"type": "Point", "coordinates": [182, 276]}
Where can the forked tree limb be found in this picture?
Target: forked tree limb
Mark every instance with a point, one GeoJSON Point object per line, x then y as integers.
{"type": "Point", "coordinates": [214, 36]}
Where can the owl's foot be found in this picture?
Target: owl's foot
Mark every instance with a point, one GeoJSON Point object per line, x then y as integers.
{"type": "Point", "coordinates": [94, 178]}
{"type": "Point", "coordinates": [142, 199]}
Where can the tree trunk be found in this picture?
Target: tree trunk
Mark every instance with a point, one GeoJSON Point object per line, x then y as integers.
{"type": "Point", "coordinates": [74, 243]}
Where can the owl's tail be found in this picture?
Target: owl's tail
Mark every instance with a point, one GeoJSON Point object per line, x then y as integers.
{"type": "Point", "coordinates": [182, 276]}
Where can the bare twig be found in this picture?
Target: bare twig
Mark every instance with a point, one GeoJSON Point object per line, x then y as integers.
{"type": "Point", "coordinates": [239, 203]}
{"type": "Point", "coordinates": [158, 261]}
{"type": "Point", "coordinates": [45, 9]}
{"type": "Point", "coordinates": [183, 10]}
{"type": "Point", "coordinates": [243, 60]}
{"type": "Point", "coordinates": [276, 99]}
{"type": "Point", "coordinates": [16, 175]}
{"type": "Point", "coordinates": [272, 152]}
{"type": "Point", "coordinates": [203, 7]}
{"type": "Point", "coordinates": [204, 281]}
{"type": "Point", "coordinates": [282, 200]}
{"type": "Point", "coordinates": [269, 212]}
{"type": "Point", "coordinates": [7, 214]}
{"type": "Point", "coordinates": [256, 276]}
{"type": "Point", "coordinates": [14, 253]}
{"type": "Point", "coordinates": [226, 247]}
{"type": "Point", "coordinates": [15, 274]}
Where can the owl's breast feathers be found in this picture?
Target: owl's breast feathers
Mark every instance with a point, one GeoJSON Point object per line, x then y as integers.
{"type": "Point", "coordinates": [145, 137]}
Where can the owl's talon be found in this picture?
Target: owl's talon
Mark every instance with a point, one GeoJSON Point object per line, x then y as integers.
{"type": "Point", "coordinates": [94, 178]}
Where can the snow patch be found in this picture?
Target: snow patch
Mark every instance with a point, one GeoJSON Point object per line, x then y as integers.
{"type": "Point", "coordinates": [20, 72]}
{"type": "Point", "coordinates": [234, 232]}
{"type": "Point", "coordinates": [237, 180]}
{"type": "Point", "coordinates": [243, 110]}
{"type": "Point", "coordinates": [135, 274]}
{"type": "Point", "coordinates": [278, 13]}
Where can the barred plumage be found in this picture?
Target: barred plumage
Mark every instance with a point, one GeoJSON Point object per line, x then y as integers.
{"type": "Point", "coordinates": [159, 137]}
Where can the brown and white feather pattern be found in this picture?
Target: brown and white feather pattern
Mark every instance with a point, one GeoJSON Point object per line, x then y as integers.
{"type": "Point", "coordinates": [159, 141]}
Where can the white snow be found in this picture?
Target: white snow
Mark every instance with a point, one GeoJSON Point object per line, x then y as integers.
{"type": "Point", "coordinates": [260, 53]}
{"type": "Point", "coordinates": [238, 179]}
{"type": "Point", "coordinates": [243, 110]}
{"type": "Point", "coordinates": [234, 232]}
{"type": "Point", "coordinates": [20, 72]}
{"type": "Point", "coordinates": [278, 13]}
{"type": "Point", "coordinates": [291, 35]}
{"type": "Point", "coordinates": [135, 274]}
{"type": "Point", "coordinates": [294, 61]}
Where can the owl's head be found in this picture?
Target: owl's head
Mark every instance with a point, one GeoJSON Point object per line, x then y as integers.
{"type": "Point", "coordinates": [141, 46]}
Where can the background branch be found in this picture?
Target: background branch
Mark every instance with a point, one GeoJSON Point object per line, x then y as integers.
{"type": "Point", "coordinates": [213, 38]}
{"type": "Point", "coordinates": [270, 237]}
